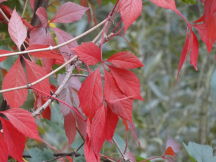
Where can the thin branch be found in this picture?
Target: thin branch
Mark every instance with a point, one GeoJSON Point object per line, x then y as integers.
{"type": "Point", "coordinates": [25, 6]}
{"type": "Point", "coordinates": [118, 148]}
{"type": "Point", "coordinates": [71, 107]}
{"type": "Point", "coordinates": [41, 79]}
{"type": "Point", "coordinates": [60, 88]}
{"type": "Point", "coordinates": [79, 75]}
{"type": "Point", "coordinates": [3, 14]}
{"type": "Point", "coordinates": [59, 45]}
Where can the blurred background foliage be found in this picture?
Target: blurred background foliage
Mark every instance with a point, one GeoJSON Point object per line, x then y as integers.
{"type": "Point", "coordinates": [182, 108]}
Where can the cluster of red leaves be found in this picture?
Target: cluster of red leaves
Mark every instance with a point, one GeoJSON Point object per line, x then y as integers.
{"type": "Point", "coordinates": [17, 125]}
{"type": "Point", "coordinates": [106, 95]}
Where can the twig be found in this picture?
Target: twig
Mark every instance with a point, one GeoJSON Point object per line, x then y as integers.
{"type": "Point", "coordinates": [79, 75]}
{"type": "Point", "coordinates": [58, 155]}
{"type": "Point", "coordinates": [41, 79]}
{"type": "Point", "coordinates": [71, 107]}
{"type": "Point", "coordinates": [59, 45]}
{"type": "Point", "coordinates": [122, 154]}
{"type": "Point", "coordinates": [3, 14]}
{"type": "Point", "coordinates": [60, 88]}
{"type": "Point", "coordinates": [25, 6]}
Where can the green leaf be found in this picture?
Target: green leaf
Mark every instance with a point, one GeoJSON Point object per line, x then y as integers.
{"type": "Point", "coordinates": [201, 153]}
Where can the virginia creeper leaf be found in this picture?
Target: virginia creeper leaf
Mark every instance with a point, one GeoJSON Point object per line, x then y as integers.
{"type": "Point", "coordinates": [130, 10]}
{"type": "Point", "coordinates": [184, 52]}
{"type": "Point", "coordinates": [17, 29]}
{"type": "Point", "coordinates": [3, 149]}
{"type": "Point", "coordinates": [194, 50]}
{"type": "Point", "coordinates": [90, 94]}
{"type": "Point", "coordinates": [89, 53]}
{"type": "Point", "coordinates": [14, 78]}
{"type": "Point", "coordinates": [95, 135]}
{"type": "Point", "coordinates": [42, 15]}
{"type": "Point", "coordinates": [23, 121]}
{"type": "Point", "coordinates": [125, 60]}
{"type": "Point", "coordinates": [88, 151]}
{"type": "Point", "coordinates": [70, 127]}
{"type": "Point", "coordinates": [69, 12]}
{"type": "Point", "coordinates": [35, 72]}
{"type": "Point", "coordinates": [191, 47]}
{"type": "Point", "coordinates": [127, 82]}
{"type": "Point", "coordinates": [111, 123]}
{"type": "Point", "coordinates": [14, 140]}
{"type": "Point", "coordinates": [120, 104]}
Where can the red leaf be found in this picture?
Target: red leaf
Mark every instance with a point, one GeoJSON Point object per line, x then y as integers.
{"type": "Point", "coordinates": [91, 94]}
{"type": "Point", "coordinates": [54, 54]}
{"type": "Point", "coordinates": [42, 15]}
{"type": "Point", "coordinates": [89, 53]}
{"type": "Point", "coordinates": [2, 1]}
{"type": "Point", "coordinates": [40, 36]}
{"type": "Point", "coordinates": [17, 29]}
{"type": "Point", "coordinates": [111, 123]}
{"type": "Point", "coordinates": [14, 78]}
{"type": "Point", "coordinates": [69, 12]}
{"type": "Point", "coordinates": [3, 149]}
{"type": "Point", "coordinates": [4, 52]}
{"type": "Point", "coordinates": [168, 4]}
{"type": "Point", "coordinates": [184, 52]}
{"type": "Point", "coordinates": [125, 60]}
{"type": "Point", "coordinates": [14, 140]}
{"type": "Point", "coordinates": [127, 82]}
{"type": "Point", "coordinates": [202, 29]}
{"type": "Point", "coordinates": [194, 50]}
{"type": "Point", "coordinates": [191, 47]}
{"type": "Point", "coordinates": [70, 127]}
{"type": "Point", "coordinates": [62, 37]}
{"type": "Point", "coordinates": [169, 151]}
{"type": "Point", "coordinates": [95, 135]}
{"type": "Point", "coordinates": [120, 104]}
{"type": "Point", "coordinates": [130, 10]}
{"type": "Point", "coordinates": [97, 129]}
{"type": "Point", "coordinates": [23, 121]}
{"type": "Point", "coordinates": [35, 72]}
